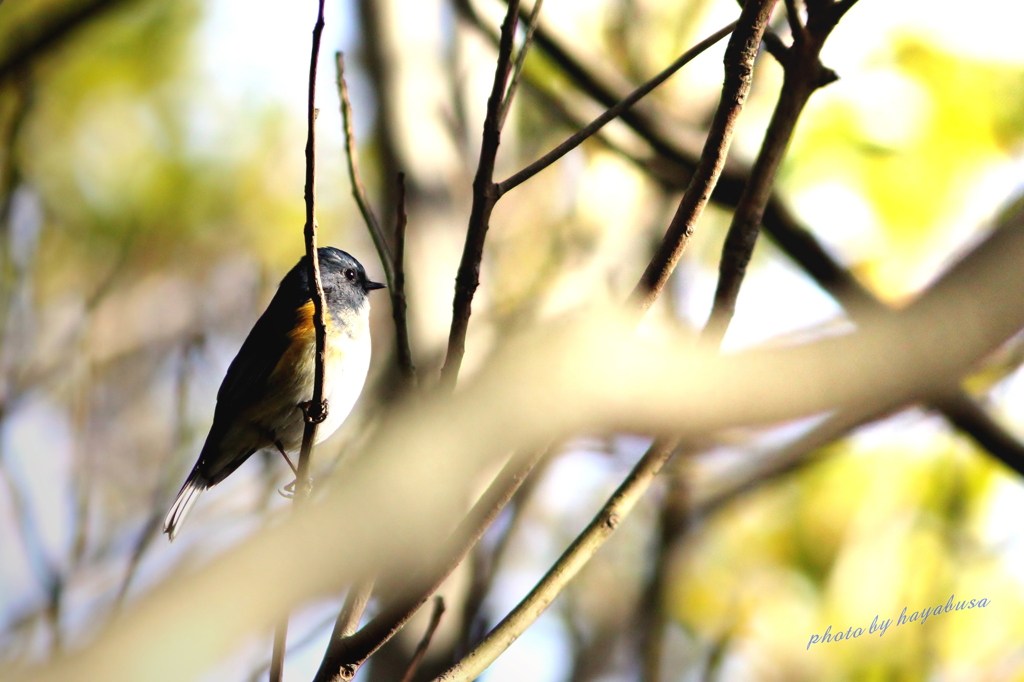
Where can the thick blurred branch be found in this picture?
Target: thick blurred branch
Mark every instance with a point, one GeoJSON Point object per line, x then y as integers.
{"type": "Point", "coordinates": [34, 43]}
{"type": "Point", "coordinates": [955, 404]}
{"type": "Point", "coordinates": [394, 508]}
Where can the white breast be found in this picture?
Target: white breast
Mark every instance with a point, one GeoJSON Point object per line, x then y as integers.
{"type": "Point", "coordinates": [347, 362]}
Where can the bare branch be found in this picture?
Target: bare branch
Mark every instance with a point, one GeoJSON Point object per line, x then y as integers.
{"type": "Point", "coordinates": [651, 618]}
{"type": "Point", "coordinates": [793, 17]}
{"type": "Point", "coordinates": [421, 648]}
{"type": "Point", "coordinates": [316, 412]}
{"type": "Point", "coordinates": [790, 458]}
{"type": "Point", "coordinates": [396, 287]}
{"type": "Point", "coordinates": [567, 566]}
{"type": "Point", "coordinates": [739, 65]}
{"type": "Point", "coordinates": [485, 195]}
{"type": "Point", "coordinates": [517, 70]}
{"type": "Point", "coordinates": [345, 655]}
{"type": "Point", "coordinates": [352, 610]}
{"type": "Point", "coordinates": [474, 622]}
{"type": "Point", "coordinates": [842, 7]}
{"type": "Point", "coordinates": [380, 241]}
{"type": "Point", "coordinates": [775, 47]}
{"type": "Point", "coordinates": [803, 75]}
{"type": "Point", "coordinates": [966, 414]}
{"type": "Point", "coordinates": [612, 113]}
{"type": "Point", "coordinates": [276, 673]}
{"type": "Point", "coordinates": [392, 262]}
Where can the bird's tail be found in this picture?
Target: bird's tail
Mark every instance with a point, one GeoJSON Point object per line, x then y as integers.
{"type": "Point", "coordinates": [187, 496]}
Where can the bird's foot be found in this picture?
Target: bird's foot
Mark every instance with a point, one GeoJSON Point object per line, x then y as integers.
{"type": "Point", "coordinates": [311, 415]}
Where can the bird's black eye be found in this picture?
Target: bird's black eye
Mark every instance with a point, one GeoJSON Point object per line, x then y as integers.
{"type": "Point", "coordinates": [350, 275]}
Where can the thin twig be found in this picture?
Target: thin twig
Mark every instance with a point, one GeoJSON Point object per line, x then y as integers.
{"type": "Point", "coordinates": [517, 70]}
{"type": "Point", "coordinates": [421, 648]}
{"type": "Point", "coordinates": [392, 261]}
{"type": "Point", "coordinates": [352, 610]}
{"type": "Point", "coordinates": [317, 410]}
{"type": "Point", "coordinates": [474, 620]}
{"type": "Point", "coordinates": [791, 457]}
{"type": "Point", "coordinates": [345, 655]}
{"type": "Point", "coordinates": [373, 20]}
{"type": "Point", "coordinates": [587, 131]}
{"type": "Point", "coordinates": [380, 241]}
{"type": "Point", "coordinates": [397, 289]}
{"type": "Point", "coordinates": [165, 479]}
{"type": "Point", "coordinates": [485, 195]}
{"type": "Point", "coordinates": [572, 67]}
{"type": "Point", "coordinates": [311, 636]}
{"type": "Point", "coordinates": [276, 673]}
{"type": "Point", "coordinates": [651, 617]}
{"type": "Point", "coordinates": [567, 566]}
{"type": "Point", "coordinates": [739, 66]}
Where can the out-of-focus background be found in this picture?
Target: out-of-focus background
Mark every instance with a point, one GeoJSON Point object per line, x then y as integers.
{"type": "Point", "coordinates": [151, 161]}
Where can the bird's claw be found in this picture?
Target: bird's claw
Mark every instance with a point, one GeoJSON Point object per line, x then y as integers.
{"type": "Point", "coordinates": [310, 416]}
{"type": "Point", "coordinates": [288, 491]}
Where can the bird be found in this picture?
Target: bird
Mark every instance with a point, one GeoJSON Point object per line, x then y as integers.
{"type": "Point", "coordinates": [261, 402]}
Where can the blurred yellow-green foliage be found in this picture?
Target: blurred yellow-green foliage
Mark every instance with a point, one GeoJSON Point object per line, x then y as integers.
{"type": "Point", "coordinates": [914, 137]}
{"type": "Point", "coordinates": [152, 214]}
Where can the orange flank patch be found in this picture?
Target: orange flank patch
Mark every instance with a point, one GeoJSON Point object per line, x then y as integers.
{"type": "Point", "coordinates": [303, 329]}
{"type": "Point", "coordinates": [300, 339]}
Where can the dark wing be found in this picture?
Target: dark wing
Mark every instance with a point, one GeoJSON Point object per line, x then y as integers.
{"type": "Point", "coordinates": [246, 379]}
{"type": "Point", "coordinates": [244, 383]}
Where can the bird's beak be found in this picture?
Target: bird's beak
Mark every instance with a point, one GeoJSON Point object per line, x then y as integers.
{"type": "Point", "coordinates": [370, 286]}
